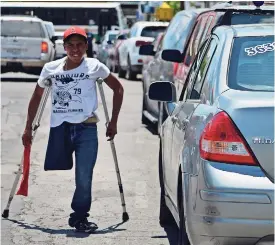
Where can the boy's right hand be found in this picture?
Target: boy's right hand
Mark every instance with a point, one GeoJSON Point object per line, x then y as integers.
{"type": "Point", "coordinates": [27, 137]}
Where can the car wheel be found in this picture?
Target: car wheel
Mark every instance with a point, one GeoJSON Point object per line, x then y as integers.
{"type": "Point", "coordinates": [130, 74]}
{"type": "Point", "coordinates": [144, 120]}
{"type": "Point", "coordinates": [165, 216]}
{"type": "Point", "coordinates": [182, 236]}
{"type": "Point", "coordinates": [115, 68]}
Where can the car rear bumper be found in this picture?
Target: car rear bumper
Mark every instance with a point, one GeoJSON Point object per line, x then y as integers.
{"type": "Point", "coordinates": [25, 63]}
{"type": "Point", "coordinates": [213, 230]}
{"type": "Point", "coordinates": [233, 205]}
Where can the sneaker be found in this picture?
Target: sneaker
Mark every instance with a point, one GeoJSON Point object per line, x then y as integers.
{"type": "Point", "coordinates": [85, 226]}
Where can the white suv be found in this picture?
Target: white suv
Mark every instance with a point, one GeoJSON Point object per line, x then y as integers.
{"type": "Point", "coordinates": [25, 44]}
{"type": "Point", "coordinates": [141, 33]}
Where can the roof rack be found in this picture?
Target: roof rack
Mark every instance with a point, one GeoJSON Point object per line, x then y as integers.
{"type": "Point", "coordinates": [249, 11]}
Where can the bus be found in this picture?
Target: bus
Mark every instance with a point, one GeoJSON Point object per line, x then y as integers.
{"type": "Point", "coordinates": [95, 17]}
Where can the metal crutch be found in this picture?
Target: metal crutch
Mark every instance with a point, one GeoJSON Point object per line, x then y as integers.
{"type": "Point", "coordinates": [35, 126]}
{"type": "Point", "coordinates": [125, 216]}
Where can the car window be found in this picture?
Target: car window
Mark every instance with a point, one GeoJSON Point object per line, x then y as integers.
{"type": "Point", "coordinates": [176, 35]}
{"type": "Point", "coordinates": [152, 31]}
{"type": "Point", "coordinates": [252, 64]}
{"type": "Point", "coordinates": [206, 28]}
{"type": "Point", "coordinates": [246, 18]}
{"type": "Point", "coordinates": [133, 31]}
{"type": "Point", "coordinates": [192, 73]}
{"type": "Point", "coordinates": [17, 28]}
{"type": "Point", "coordinates": [190, 53]}
{"type": "Point", "coordinates": [112, 37]}
{"type": "Point", "coordinates": [202, 70]}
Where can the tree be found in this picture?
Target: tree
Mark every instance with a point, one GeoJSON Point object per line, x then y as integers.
{"type": "Point", "coordinates": [176, 5]}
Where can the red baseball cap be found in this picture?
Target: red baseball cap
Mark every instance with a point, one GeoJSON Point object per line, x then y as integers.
{"type": "Point", "coordinates": [74, 30]}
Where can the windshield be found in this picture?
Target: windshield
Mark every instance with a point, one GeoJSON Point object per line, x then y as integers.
{"type": "Point", "coordinates": [252, 64]}
{"type": "Point", "coordinates": [152, 31]}
{"type": "Point", "coordinates": [112, 37]}
{"type": "Point", "coordinates": [16, 28]}
{"type": "Point", "coordinates": [246, 18]}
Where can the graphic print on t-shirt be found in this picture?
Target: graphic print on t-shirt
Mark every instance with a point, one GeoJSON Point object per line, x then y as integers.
{"type": "Point", "coordinates": [63, 95]}
{"type": "Point", "coordinates": [66, 92]}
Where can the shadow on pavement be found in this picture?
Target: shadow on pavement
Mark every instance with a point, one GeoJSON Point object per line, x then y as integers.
{"type": "Point", "coordinates": [68, 232]}
{"type": "Point", "coordinates": [172, 234]}
{"type": "Point", "coordinates": [151, 129]}
{"type": "Point", "coordinates": [17, 79]}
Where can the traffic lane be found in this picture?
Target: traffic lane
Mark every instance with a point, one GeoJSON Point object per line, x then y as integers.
{"type": "Point", "coordinates": [43, 220]}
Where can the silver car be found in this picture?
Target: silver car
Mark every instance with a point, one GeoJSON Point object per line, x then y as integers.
{"type": "Point", "coordinates": [217, 145]}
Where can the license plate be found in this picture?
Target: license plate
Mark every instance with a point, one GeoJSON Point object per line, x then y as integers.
{"type": "Point", "coordinates": [14, 51]}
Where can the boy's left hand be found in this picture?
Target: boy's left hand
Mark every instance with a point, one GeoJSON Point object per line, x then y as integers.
{"type": "Point", "coordinates": [111, 130]}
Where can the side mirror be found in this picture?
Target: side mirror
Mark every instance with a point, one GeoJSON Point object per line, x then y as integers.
{"type": "Point", "coordinates": [147, 50]}
{"type": "Point", "coordinates": [164, 91]}
{"type": "Point", "coordinates": [172, 55]}
{"type": "Point", "coordinates": [54, 38]}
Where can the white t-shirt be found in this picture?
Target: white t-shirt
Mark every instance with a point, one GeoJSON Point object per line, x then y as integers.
{"type": "Point", "coordinates": [73, 92]}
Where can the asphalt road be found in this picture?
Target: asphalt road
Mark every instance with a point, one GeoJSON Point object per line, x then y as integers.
{"type": "Point", "coordinates": [41, 218]}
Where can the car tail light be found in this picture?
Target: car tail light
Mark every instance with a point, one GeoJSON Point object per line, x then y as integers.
{"type": "Point", "coordinates": [221, 141]}
{"type": "Point", "coordinates": [44, 47]}
{"type": "Point", "coordinates": [140, 43]}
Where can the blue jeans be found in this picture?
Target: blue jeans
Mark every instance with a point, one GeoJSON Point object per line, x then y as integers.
{"type": "Point", "coordinates": [85, 145]}
{"type": "Point", "coordinates": [82, 139]}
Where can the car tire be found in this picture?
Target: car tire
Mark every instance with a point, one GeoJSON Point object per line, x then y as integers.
{"type": "Point", "coordinates": [130, 74]}
{"type": "Point", "coordinates": [121, 73]}
{"type": "Point", "coordinates": [115, 69]}
{"type": "Point", "coordinates": [182, 234]}
{"type": "Point", "coordinates": [165, 216]}
{"type": "Point", "coordinates": [144, 120]}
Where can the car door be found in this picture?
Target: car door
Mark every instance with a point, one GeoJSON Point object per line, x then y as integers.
{"type": "Point", "coordinates": [189, 100]}
{"type": "Point", "coordinates": [202, 28]}
{"type": "Point", "coordinates": [167, 132]}
{"type": "Point", "coordinates": [152, 105]}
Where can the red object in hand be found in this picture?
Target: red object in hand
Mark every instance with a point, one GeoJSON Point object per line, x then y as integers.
{"type": "Point", "coordinates": [23, 189]}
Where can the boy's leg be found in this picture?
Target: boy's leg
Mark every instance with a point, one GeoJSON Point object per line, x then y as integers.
{"type": "Point", "coordinates": [86, 147]}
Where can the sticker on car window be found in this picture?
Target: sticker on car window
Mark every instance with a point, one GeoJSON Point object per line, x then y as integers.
{"type": "Point", "coordinates": [260, 49]}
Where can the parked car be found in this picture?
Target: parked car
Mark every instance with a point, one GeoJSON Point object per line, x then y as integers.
{"type": "Point", "coordinates": [59, 48]}
{"type": "Point", "coordinates": [229, 15]}
{"type": "Point", "coordinates": [130, 61]}
{"type": "Point", "coordinates": [106, 43]}
{"type": "Point", "coordinates": [146, 76]}
{"type": "Point", "coordinates": [113, 54]}
{"type": "Point", "coordinates": [174, 65]}
{"type": "Point", "coordinates": [175, 37]}
{"type": "Point", "coordinates": [25, 44]}
{"type": "Point", "coordinates": [216, 156]}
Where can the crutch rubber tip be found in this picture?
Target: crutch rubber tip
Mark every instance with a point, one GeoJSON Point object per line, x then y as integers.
{"type": "Point", "coordinates": [5, 214]}
{"type": "Point", "coordinates": [125, 217]}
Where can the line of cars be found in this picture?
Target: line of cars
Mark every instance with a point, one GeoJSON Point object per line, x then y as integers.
{"type": "Point", "coordinates": [122, 54]}
{"type": "Point", "coordinates": [211, 77]}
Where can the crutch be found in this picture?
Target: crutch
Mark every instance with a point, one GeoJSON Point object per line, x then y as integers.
{"type": "Point", "coordinates": [125, 216]}
{"type": "Point", "coordinates": [35, 126]}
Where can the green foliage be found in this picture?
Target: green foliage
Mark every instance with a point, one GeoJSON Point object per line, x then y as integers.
{"type": "Point", "coordinates": [175, 5]}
